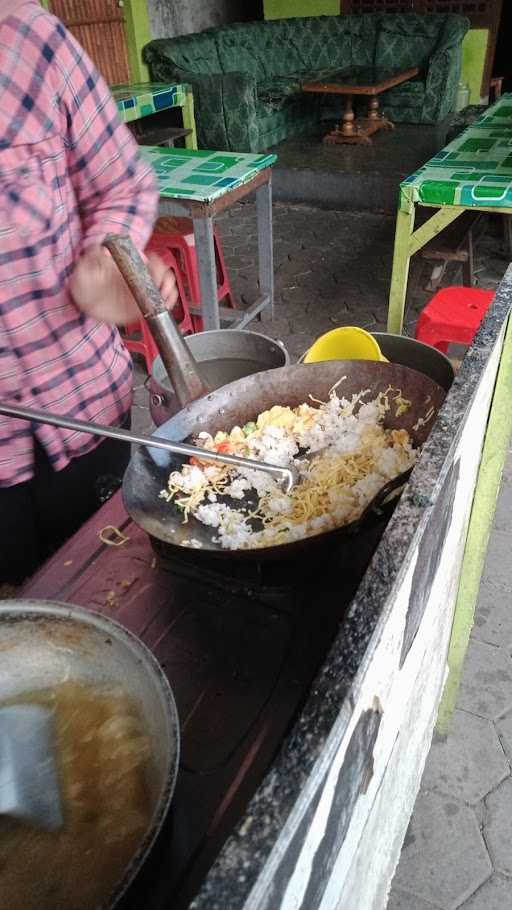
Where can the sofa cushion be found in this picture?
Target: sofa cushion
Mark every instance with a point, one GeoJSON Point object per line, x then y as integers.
{"type": "Point", "coordinates": [361, 31]}
{"type": "Point", "coordinates": [406, 40]}
{"type": "Point", "coordinates": [275, 91]}
{"type": "Point", "coordinates": [253, 48]}
{"type": "Point", "coordinates": [196, 53]}
{"type": "Point", "coordinates": [286, 47]}
{"type": "Point", "coordinates": [321, 43]}
{"type": "Point", "coordinates": [299, 114]}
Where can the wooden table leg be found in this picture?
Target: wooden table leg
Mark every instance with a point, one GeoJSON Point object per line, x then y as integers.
{"type": "Point", "coordinates": [373, 108]}
{"type": "Point", "coordinates": [358, 130]}
{"type": "Point", "coordinates": [400, 273]}
{"type": "Point", "coordinates": [205, 252]}
{"type": "Point", "coordinates": [348, 127]}
{"type": "Point", "coordinates": [408, 242]}
{"type": "Point", "coordinates": [348, 130]}
{"type": "Point", "coordinates": [265, 245]}
{"type": "Point", "coordinates": [375, 120]}
{"type": "Point", "coordinates": [189, 120]}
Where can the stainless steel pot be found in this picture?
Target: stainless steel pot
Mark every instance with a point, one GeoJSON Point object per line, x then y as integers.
{"type": "Point", "coordinates": [417, 356]}
{"type": "Point", "coordinates": [223, 356]}
{"type": "Point", "coordinates": [43, 644]}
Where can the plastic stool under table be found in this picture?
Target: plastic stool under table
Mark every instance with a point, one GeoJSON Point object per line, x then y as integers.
{"type": "Point", "coordinates": [453, 316]}
{"type": "Point", "coordinates": [177, 234]}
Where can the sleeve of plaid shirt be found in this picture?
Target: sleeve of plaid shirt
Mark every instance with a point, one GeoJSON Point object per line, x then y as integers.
{"type": "Point", "coordinates": [115, 190]}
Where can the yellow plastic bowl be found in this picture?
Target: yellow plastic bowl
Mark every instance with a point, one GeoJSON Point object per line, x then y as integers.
{"type": "Point", "coordinates": [345, 343]}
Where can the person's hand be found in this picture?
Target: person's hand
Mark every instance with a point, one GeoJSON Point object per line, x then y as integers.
{"type": "Point", "coordinates": [99, 290]}
{"type": "Point", "coordinates": [164, 279]}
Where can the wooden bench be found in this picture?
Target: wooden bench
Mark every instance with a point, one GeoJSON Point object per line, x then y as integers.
{"type": "Point", "coordinates": [163, 136]}
{"type": "Point", "coordinates": [454, 244]}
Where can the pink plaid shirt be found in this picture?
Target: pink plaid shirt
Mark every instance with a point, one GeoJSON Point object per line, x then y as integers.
{"type": "Point", "coordinates": [69, 174]}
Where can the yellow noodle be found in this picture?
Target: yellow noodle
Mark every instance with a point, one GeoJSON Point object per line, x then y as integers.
{"type": "Point", "coordinates": [330, 476]}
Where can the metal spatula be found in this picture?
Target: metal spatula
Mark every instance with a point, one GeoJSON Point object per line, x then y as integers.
{"type": "Point", "coordinates": [29, 786]}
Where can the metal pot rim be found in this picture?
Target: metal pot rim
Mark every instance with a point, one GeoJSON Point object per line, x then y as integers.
{"type": "Point", "coordinates": [222, 333]}
{"type": "Point", "coordinates": [17, 610]}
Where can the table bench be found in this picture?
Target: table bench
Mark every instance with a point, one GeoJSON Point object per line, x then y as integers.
{"type": "Point", "coordinates": [200, 184]}
{"type": "Point", "coordinates": [472, 173]}
{"type": "Point", "coordinates": [139, 100]}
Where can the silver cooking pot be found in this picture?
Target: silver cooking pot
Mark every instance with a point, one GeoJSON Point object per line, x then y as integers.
{"type": "Point", "coordinates": [418, 356]}
{"type": "Point", "coordinates": [44, 643]}
{"type": "Point", "coordinates": [223, 356]}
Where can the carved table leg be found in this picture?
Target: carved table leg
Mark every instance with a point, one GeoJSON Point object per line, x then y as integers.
{"type": "Point", "coordinates": [373, 108]}
{"type": "Point", "coordinates": [348, 128]}
{"type": "Point", "coordinates": [374, 116]}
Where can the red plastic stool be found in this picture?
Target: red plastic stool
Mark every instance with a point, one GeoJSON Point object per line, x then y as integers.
{"type": "Point", "coordinates": [177, 234]}
{"type": "Point", "coordinates": [137, 336]}
{"type": "Point", "coordinates": [453, 316]}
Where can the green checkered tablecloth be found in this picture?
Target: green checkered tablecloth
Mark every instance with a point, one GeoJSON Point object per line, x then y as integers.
{"type": "Point", "coordinates": [473, 170]}
{"type": "Point", "coordinates": [141, 99]}
{"type": "Point", "coordinates": [200, 175]}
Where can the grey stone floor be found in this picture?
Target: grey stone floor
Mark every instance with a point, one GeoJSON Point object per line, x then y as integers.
{"type": "Point", "coordinates": [353, 177]}
{"type": "Point", "coordinates": [396, 153]}
{"type": "Point", "coordinates": [457, 853]}
{"type": "Point", "coordinates": [333, 268]}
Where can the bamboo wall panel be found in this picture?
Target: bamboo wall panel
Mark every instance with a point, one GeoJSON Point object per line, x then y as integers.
{"type": "Point", "coordinates": [100, 28]}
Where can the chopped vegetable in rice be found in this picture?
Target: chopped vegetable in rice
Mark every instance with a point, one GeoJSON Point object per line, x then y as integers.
{"type": "Point", "coordinates": [342, 452]}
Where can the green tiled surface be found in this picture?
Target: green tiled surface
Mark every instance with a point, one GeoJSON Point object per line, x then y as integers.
{"type": "Point", "coordinates": [473, 170]}
{"type": "Point", "coordinates": [202, 175]}
{"type": "Point", "coordinates": [141, 99]}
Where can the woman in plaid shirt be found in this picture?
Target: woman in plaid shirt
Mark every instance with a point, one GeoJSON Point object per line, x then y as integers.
{"type": "Point", "coordinates": [70, 173]}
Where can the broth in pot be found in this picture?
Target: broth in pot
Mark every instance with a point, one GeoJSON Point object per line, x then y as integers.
{"type": "Point", "coordinates": [102, 753]}
{"type": "Point", "coordinates": [116, 750]}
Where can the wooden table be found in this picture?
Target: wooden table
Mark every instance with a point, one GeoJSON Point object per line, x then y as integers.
{"type": "Point", "coordinates": [366, 80]}
{"type": "Point", "coordinates": [471, 173]}
{"type": "Point", "coordinates": [138, 100]}
{"type": "Point", "coordinates": [199, 184]}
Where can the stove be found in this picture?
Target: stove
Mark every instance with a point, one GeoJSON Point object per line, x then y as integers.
{"type": "Point", "coordinates": [249, 649]}
{"type": "Point", "coordinates": [274, 583]}
{"type": "Point", "coordinates": [241, 644]}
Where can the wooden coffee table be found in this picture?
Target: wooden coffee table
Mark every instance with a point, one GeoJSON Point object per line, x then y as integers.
{"type": "Point", "coordinates": [366, 80]}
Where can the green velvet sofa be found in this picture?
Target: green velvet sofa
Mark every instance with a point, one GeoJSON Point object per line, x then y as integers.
{"type": "Point", "coordinates": [247, 77]}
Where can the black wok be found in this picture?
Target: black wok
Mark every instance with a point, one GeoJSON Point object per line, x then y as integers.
{"type": "Point", "coordinates": [241, 401]}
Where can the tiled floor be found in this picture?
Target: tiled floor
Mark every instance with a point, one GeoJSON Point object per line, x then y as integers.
{"type": "Point", "coordinates": [331, 268]}
{"type": "Point", "coordinates": [458, 851]}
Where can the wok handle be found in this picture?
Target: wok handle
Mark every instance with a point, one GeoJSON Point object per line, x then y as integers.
{"type": "Point", "coordinates": [373, 508]}
{"type": "Point", "coordinates": [181, 366]}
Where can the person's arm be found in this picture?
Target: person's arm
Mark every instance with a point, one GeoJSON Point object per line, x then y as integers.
{"type": "Point", "coordinates": [115, 190]}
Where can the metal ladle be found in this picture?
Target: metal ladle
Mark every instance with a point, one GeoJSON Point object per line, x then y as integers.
{"type": "Point", "coordinates": [286, 476]}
